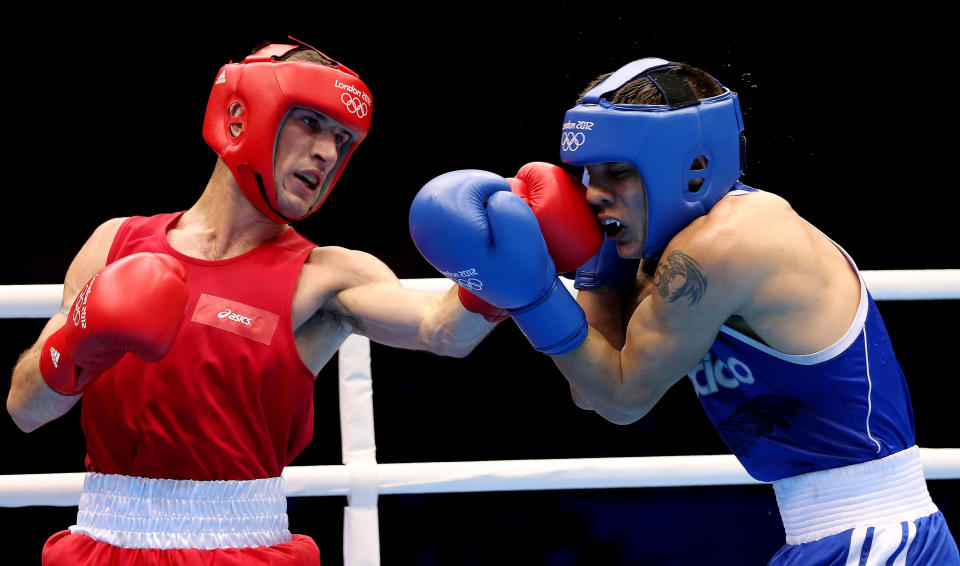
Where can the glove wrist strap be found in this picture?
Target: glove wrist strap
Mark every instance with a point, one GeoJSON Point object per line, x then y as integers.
{"type": "Point", "coordinates": [56, 366]}
{"type": "Point", "coordinates": [554, 324]}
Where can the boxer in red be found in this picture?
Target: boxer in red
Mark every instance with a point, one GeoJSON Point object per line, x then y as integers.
{"type": "Point", "coordinates": [194, 338]}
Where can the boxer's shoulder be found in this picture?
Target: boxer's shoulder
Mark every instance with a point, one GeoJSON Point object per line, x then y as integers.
{"type": "Point", "coordinates": [330, 270]}
{"type": "Point", "coordinates": [744, 210]}
{"type": "Point", "coordinates": [104, 234]}
{"type": "Point", "coordinates": [743, 244]}
{"type": "Point", "coordinates": [92, 256]}
{"type": "Point", "coordinates": [755, 230]}
{"type": "Point", "coordinates": [346, 267]}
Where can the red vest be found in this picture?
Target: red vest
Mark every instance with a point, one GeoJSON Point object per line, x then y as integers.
{"type": "Point", "coordinates": [232, 400]}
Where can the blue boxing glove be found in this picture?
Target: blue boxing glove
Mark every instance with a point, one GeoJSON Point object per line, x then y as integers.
{"type": "Point", "coordinates": [470, 227]}
{"type": "Point", "coordinates": [607, 268]}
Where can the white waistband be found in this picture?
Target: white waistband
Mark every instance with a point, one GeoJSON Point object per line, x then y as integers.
{"type": "Point", "coordinates": [828, 502]}
{"type": "Point", "coordinates": [132, 512]}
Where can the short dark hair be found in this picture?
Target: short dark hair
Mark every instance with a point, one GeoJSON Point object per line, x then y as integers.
{"type": "Point", "coordinates": [298, 54]}
{"type": "Point", "coordinates": [643, 91]}
{"type": "Point", "coordinates": [308, 55]}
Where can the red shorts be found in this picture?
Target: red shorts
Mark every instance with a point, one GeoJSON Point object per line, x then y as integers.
{"type": "Point", "coordinates": [68, 549]}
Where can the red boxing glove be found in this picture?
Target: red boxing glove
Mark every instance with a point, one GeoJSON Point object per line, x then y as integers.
{"type": "Point", "coordinates": [559, 201]}
{"type": "Point", "coordinates": [568, 225]}
{"type": "Point", "coordinates": [475, 304]}
{"type": "Point", "coordinates": [135, 304]}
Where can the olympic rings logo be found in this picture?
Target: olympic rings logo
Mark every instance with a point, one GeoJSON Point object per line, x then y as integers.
{"type": "Point", "coordinates": [353, 104]}
{"type": "Point", "coordinates": [570, 141]}
{"type": "Point", "coordinates": [470, 284]}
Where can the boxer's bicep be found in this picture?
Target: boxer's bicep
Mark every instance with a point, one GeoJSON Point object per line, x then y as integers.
{"type": "Point", "coordinates": [370, 295]}
{"type": "Point", "coordinates": [695, 292]}
{"type": "Point", "coordinates": [386, 312]}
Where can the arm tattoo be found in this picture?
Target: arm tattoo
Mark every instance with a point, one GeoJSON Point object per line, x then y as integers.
{"type": "Point", "coordinates": [678, 276]}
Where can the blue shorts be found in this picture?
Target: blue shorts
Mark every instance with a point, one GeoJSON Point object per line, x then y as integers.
{"type": "Point", "coordinates": [924, 542]}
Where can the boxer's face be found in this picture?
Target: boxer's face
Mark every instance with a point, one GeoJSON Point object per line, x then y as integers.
{"type": "Point", "coordinates": [617, 195]}
{"type": "Point", "coordinates": [307, 150]}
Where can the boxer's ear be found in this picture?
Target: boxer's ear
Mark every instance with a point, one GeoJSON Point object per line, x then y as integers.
{"type": "Point", "coordinates": [235, 111]}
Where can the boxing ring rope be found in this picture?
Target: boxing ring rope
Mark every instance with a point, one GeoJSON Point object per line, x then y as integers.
{"type": "Point", "coordinates": [362, 479]}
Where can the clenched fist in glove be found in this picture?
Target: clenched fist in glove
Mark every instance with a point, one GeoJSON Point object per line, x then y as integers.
{"type": "Point", "coordinates": [135, 304]}
{"type": "Point", "coordinates": [567, 224]}
{"type": "Point", "coordinates": [470, 227]}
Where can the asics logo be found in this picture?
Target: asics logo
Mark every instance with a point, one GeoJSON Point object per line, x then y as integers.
{"type": "Point", "coordinates": [354, 105]}
{"type": "Point", "coordinates": [570, 141]}
{"type": "Point", "coordinates": [236, 317]}
{"type": "Point", "coordinates": [233, 316]}
{"type": "Point", "coordinates": [728, 374]}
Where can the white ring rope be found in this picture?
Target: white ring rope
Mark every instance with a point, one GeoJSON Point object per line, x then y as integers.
{"type": "Point", "coordinates": [362, 479]}
{"type": "Point", "coordinates": [41, 301]}
{"type": "Point", "coordinates": [481, 476]}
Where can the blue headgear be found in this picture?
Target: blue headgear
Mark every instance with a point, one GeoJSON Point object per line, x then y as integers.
{"type": "Point", "coordinates": [663, 142]}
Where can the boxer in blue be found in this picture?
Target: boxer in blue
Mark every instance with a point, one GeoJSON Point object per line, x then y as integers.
{"type": "Point", "coordinates": [706, 278]}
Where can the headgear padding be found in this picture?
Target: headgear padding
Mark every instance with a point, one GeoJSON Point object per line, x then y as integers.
{"type": "Point", "coordinates": [266, 89]}
{"type": "Point", "coordinates": [663, 143]}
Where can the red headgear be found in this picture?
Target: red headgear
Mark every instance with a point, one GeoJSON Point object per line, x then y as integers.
{"type": "Point", "coordinates": [266, 89]}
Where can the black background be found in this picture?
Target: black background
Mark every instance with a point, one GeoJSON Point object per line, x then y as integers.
{"type": "Point", "coordinates": [845, 117]}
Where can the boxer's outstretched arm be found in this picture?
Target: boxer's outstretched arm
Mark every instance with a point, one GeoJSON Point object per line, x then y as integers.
{"type": "Point", "coordinates": [30, 402]}
{"type": "Point", "coordinates": [380, 308]}
{"type": "Point", "coordinates": [416, 320]}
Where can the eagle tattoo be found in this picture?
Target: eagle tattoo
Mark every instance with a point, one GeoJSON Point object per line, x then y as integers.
{"type": "Point", "coordinates": [678, 276]}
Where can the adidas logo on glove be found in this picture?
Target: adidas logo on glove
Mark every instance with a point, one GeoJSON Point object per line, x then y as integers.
{"type": "Point", "coordinates": [55, 357]}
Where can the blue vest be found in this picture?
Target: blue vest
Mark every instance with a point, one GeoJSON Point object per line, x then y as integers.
{"type": "Point", "coordinates": [784, 415]}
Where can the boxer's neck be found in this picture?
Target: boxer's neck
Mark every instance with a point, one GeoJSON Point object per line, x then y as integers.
{"type": "Point", "coordinates": [222, 223]}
